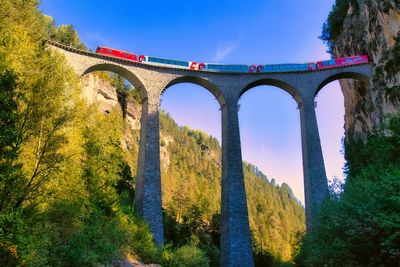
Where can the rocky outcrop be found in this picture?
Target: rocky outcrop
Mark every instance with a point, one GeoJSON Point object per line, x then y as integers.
{"type": "Point", "coordinates": [99, 91]}
{"type": "Point", "coordinates": [370, 27]}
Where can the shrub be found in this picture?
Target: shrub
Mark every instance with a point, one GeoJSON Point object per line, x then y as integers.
{"type": "Point", "coordinates": [186, 256]}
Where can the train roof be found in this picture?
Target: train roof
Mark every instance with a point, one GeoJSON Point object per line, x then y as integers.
{"type": "Point", "coordinates": [115, 49]}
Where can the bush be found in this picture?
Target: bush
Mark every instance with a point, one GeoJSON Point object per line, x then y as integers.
{"type": "Point", "coordinates": [186, 256]}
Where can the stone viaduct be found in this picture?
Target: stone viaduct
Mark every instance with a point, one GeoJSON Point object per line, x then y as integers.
{"type": "Point", "coordinates": [151, 81]}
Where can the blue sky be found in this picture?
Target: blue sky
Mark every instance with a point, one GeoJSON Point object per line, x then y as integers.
{"type": "Point", "coordinates": [248, 32]}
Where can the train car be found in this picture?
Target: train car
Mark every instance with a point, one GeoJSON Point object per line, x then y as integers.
{"type": "Point", "coordinates": [116, 53]}
{"type": "Point", "coordinates": [288, 67]}
{"type": "Point", "coordinates": [341, 62]}
{"type": "Point", "coordinates": [170, 62]}
{"type": "Point", "coordinates": [225, 68]}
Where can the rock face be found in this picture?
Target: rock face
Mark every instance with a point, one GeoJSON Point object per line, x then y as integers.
{"type": "Point", "coordinates": [371, 27]}
{"type": "Point", "coordinates": [101, 92]}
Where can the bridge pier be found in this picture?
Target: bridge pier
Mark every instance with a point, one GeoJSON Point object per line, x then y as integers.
{"type": "Point", "coordinates": [148, 196]}
{"type": "Point", "coordinates": [315, 182]}
{"type": "Point", "coordinates": [236, 248]}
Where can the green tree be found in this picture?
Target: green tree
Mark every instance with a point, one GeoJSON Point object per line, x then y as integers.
{"type": "Point", "coordinates": [10, 140]}
{"type": "Point", "coordinates": [360, 226]}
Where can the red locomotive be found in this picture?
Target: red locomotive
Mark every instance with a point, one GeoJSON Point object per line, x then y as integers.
{"type": "Point", "coordinates": [116, 53]}
{"type": "Point", "coordinates": [340, 62]}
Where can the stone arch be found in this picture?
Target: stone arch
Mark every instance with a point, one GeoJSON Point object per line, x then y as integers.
{"type": "Point", "coordinates": [212, 88]}
{"type": "Point", "coordinates": [125, 73]}
{"type": "Point", "coordinates": [342, 75]}
{"type": "Point", "coordinates": [274, 82]}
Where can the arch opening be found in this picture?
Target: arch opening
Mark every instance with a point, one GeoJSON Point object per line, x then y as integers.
{"type": "Point", "coordinates": [275, 83]}
{"type": "Point", "coordinates": [205, 84]}
{"type": "Point", "coordinates": [190, 165]}
{"type": "Point", "coordinates": [123, 72]}
{"type": "Point", "coordinates": [361, 77]}
{"type": "Point", "coordinates": [117, 98]}
{"type": "Point", "coordinates": [334, 105]}
{"type": "Point", "coordinates": [271, 146]}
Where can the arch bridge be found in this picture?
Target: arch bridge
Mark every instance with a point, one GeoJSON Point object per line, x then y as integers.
{"type": "Point", "coordinates": [151, 81]}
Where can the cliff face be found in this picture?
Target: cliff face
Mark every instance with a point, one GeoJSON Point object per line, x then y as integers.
{"type": "Point", "coordinates": [97, 90]}
{"type": "Point", "coordinates": [370, 27]}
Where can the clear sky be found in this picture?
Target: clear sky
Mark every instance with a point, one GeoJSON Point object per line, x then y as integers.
{"type": "Point", "coordinates": [248, 32]}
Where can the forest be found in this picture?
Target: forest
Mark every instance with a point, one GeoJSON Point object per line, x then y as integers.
{"type": "Point", "coordinates": [67, 188]}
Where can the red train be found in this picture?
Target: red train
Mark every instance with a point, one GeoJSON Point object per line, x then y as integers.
{"type": "Point", "coordinates": [308, 66]}
{"type": "Point", "coordinates": [116, 53]}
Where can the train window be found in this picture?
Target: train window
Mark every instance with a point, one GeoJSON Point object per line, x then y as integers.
{"type": "Point", "coordinates": [349, 60]}
{"type": "Point", "coordinates": [108, 50]}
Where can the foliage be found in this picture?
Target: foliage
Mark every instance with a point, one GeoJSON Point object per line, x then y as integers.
{"type": "Point", "coordinates": [334, 25]}
{"type": "Point", "coordinates": [10, 140]}
{"type": "Point", "coordinates": [361, 226]}
{"type": "Point", "coordinates": [186, 256]}
{"type": "Point", "coordinates": [277, 206]}
{"type": "Point", "coordinates": [64, 34]}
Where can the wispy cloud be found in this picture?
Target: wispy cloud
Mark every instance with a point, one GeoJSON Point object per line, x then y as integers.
{"type": "Point", "coordinates": [224, 50]}
{"type": "Point", "coordinates": [96, 38]}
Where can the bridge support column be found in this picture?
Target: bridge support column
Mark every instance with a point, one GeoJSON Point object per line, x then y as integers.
{"type": "Point", "coordinates": [315, 182]}
{"type": "Point", "coordinates": [148, 196]}
{"type": "Point", "coordinates": [236, 248]}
